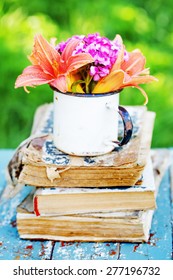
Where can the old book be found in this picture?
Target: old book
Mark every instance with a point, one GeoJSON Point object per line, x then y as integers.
{"type": "Point", "coordinates": [131, 226]}
{"type": "Point", "coordinates": [127, 226]}
{"type": "Point", "coordinates": [38, 162]}
{"type": "Point", "coordinates": [61, 201]}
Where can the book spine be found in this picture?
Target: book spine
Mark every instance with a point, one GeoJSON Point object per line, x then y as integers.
{"type": "Point", "coordinates": [35, 203]}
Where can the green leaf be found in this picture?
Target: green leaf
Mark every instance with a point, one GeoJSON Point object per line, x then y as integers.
{"type": "Point", "coordinates": [75, 84]}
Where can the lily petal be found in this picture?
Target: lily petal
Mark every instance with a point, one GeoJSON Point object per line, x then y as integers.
{"type": "Point", "coordinates": [33, 76]}
{"type": "Point", "coordinates": [79, 60]}
{"type": "Point", "coordinates": [112, 82]}
{"type": "Point", "coordinates": [70, 47]}
{"type": "Point", "coordinates": [140, 80]}
{"type": "Point", "coordinates": [44, 55]}
{"type": "Point", "coordinates": [60, 83]}
{"type": "Point", "coordinates": [120, 57]}
{"type": "Point", "coordinates": [135, 64]}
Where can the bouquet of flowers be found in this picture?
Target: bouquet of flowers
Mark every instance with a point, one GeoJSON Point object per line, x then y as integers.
{"type": "Point", "coordinates": [85, 64]}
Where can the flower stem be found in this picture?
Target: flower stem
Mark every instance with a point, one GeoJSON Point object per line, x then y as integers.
{"type": "Point", "coordinates": [88, 81]}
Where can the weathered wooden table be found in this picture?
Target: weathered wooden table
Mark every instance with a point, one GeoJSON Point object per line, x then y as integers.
{"type": "Point", "coordinates": [159, 246]}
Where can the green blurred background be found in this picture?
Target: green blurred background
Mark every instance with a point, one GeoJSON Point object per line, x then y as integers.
{"type": "Point", "coordinates": [146, 25]}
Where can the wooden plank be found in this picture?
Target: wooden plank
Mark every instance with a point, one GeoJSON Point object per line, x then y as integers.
{"type": "Point", "coordinates": [5, 156]}
{"type": "Point", "coordinates": [159, 246]}
{"type": "Point", "coordinates": [85, 251]}
{"type": "Point", "coordinates": [11, 246]}
{"type": "Point", "coordinates": [171, 177]}
{"type": "Point", "coordinates": [171, 194]}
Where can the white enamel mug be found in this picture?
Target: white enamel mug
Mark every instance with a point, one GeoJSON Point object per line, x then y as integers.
{"type": "Point", "coordinates": [87, 125]}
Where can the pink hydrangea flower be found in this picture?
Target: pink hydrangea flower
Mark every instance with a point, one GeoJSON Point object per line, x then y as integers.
{"type": "Point", "coordinates": [103, 50]}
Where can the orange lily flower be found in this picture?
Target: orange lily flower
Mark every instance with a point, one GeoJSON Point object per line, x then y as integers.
{"type": "Point", "coordinates": [126, 73]}
{"type": "Point", "coordinates": [50, 67]}
{"type": "Point", "coordinates": [136, 73]}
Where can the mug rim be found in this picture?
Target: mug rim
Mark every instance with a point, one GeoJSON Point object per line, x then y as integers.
{"type": "Point", "coordinates": [87, 94]}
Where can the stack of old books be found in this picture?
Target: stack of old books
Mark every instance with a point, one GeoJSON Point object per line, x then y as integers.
{"type": "Point", "coordinates": [103, 198]}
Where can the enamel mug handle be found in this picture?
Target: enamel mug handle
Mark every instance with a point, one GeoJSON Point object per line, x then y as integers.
{"type": "Point", "coordinates": [128, 126]}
